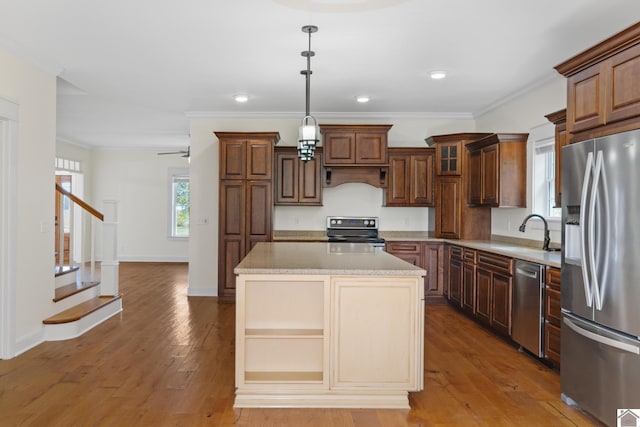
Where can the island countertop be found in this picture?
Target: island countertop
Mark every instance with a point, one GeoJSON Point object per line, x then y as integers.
{"type": "Point", "coordinates": [323, 258]}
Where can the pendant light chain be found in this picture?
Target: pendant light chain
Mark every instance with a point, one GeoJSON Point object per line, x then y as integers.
{"type": "Point", "coordinates": [309, 132]}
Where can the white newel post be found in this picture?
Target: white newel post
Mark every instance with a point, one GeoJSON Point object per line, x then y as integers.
{"type": "Point", "coordinates": [110, 265]}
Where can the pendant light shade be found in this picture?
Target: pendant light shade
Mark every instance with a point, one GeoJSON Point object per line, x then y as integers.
{"type": "Point", "coordinates": [309, 134]}
{"type": "Point", "coordinates": [308, 138]}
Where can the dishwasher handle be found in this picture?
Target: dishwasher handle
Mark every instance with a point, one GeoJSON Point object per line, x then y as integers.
{"type": "Point", "coordinates": [531, 274]}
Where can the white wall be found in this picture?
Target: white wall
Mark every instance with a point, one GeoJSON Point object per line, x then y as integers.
{"type": "Point", "coordinates": [139, 180]}
{"type": "Point", "coordinates": [346, 199]}
{"type": "Point", "coordinates": [521, 114]}
{"type": "Point", "coordinates": [34, 90]}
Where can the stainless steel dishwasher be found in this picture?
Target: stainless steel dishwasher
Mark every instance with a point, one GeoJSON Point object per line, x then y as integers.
{"type": "Point", "coordinates": [528, 308]}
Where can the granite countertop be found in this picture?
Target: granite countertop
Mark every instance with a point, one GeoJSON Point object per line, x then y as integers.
{"type": "Point", "coordinates": [325, 259]}
{"type": "Point", "coordinates": [525, 253]}
{"type": "Point", "coordinates": [501, 247]}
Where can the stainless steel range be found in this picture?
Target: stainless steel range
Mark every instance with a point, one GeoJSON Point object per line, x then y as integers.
{"type": "Point", "coordinates": [351, 229]}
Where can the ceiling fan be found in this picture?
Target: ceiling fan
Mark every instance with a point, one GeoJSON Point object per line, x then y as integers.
{"type": "Point", "coordinates": [185, 153]}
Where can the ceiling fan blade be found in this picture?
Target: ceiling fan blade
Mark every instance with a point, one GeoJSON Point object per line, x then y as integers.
{"type": "Point", "coordinates": [174, 152]}
{"type": "Point", "coordinates": [185, 153]}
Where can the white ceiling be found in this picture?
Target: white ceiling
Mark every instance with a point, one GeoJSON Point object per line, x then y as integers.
{"type": "Point", "coordinates": [130, 69]}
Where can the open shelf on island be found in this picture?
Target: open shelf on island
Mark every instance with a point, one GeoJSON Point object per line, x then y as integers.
{"type": "Point", "coordinates": [302, 377]}
{"type": "Point", "coordinates": [289, 333]}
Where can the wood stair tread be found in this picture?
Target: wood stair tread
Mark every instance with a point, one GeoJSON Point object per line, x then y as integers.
{"type": "Point", "coordinates": [66, 291]}
{"type": "Point", "coordinates": [81, 310]}
{"type": "Point", "coordinates": [66, 269]}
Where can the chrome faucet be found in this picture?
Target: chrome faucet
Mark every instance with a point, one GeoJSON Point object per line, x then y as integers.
{"type": "Point", "coordinates": [547, 239]}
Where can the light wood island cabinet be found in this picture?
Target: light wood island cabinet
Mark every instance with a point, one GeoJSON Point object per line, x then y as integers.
{"type": "Point", "coordinates": [327, 325]}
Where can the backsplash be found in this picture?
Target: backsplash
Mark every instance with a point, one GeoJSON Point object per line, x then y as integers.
{"type": "Point", "coordinates": [352, 199]}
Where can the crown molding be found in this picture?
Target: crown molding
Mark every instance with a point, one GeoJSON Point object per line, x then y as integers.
{"type": "Point", "coordinates": [328, 115]}
{"type": "Point", "coordinates": [517, 94]}
{"type": "Point", "coordinates": [25, 54]}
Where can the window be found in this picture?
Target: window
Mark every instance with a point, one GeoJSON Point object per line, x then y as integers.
{"type": "Point", "coordinates": [179, 203]}
{"type": "Point", "coordinates": [544, 173]}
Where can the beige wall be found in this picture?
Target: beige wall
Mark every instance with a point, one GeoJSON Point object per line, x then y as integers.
{"type": "Point", "coordinates": [139, 180]}
{"type": "Point", "coordinates": [346, 199]}
{"type": "Point", "coordinates": [34, 91]}
{"type": "Point", "coordinates": [521, 114]}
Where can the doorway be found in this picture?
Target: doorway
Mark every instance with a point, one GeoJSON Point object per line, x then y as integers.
{"type": "Point", "coordinates": [63, 219]}
{"type": "Point", "coordinates": [69, 220]}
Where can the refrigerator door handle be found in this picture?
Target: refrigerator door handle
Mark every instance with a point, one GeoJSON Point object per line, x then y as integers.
{"type": "Point", "coordinates": [595, 286]}
{"type": "Point", "coordinates": [583, 227]}
{"type": "Point", "coordinates": [603, 340]}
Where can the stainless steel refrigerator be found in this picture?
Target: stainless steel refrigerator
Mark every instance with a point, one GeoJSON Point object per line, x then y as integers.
{"type": "Point", "coordinates": [600, 348]}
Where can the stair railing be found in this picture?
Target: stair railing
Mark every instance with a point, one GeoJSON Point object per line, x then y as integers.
{"type": "Point", "coordinates": [94, 216]}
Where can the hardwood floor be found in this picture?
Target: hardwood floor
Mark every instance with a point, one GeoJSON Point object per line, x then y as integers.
{"type": "Point", "coordinates": [168, 360]}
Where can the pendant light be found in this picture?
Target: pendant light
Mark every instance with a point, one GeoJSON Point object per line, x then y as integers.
{"type": "Point", "coordinates": [309, 134]}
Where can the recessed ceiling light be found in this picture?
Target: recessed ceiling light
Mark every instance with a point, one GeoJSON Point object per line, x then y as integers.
{"type": "Point", "coordinates": [438, 74]}
{"type": "Point", "coordinates": [362, 99]}
{"type": "Point", "coordinates": [241, 98]}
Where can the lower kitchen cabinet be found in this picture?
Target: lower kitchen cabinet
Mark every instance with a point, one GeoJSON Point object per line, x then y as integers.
{"type": "Point", "coordinates": [498, 270]}
{"type": "Point", "coordinates": [455, 275]}
{"type": "Point", "coordinates": [469, 281]}
{"type": "Point", "coordinates": [483, 295]}
{"type": "Point", "coordinates": [424, 255]}
{"type": "Point", "coordinates": [501, 288]}
{"type": "Point", "coordinates": [552, 316]}
{"type": "Point", "coordinates": [481, 284]}
{"type": "Point", "coordinates": [434, 264]}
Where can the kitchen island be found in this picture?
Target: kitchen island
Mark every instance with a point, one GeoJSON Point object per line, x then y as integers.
{"type": "Point", "coordinates": [334, 325]}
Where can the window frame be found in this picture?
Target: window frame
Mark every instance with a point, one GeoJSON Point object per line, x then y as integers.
{"type": "Point", "coordinates": [543, 141]}
{"type": "Point", "coordinates": [174, 175]}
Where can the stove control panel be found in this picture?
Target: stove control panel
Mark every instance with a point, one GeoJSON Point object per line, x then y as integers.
{"type": "Point", "coordinates": [352, 222]}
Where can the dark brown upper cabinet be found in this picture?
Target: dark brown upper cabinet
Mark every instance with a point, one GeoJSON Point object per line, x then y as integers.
{"type": "Point", "coordinates": [297, 183]}
{"type": "Point", "coordinates": [411, 177]}
{"type": "Point", "coordinates": [603, 87]}
{"type": "Point", "coordinates": [497, 175]}
{"type": "Point", "coordinates": [353, 145]}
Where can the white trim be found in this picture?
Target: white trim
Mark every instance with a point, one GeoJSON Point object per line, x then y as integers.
{"type": "Point", "coordinates": [548, 77]}
{"type": "Point", "coordinates": [8, 225]}
{"type": "Point", "coordinates": [143, 258]}
{"type": "Point", "coordinates": [553, 221]}
{"type": "Point", "coordinates": [202, 292]}
{"type": "Point", "coordinates": [49, 65]}
{"type": "Point", "coordinates": [327, 115]}
{"type": "Point", "coordinates": [29, 342]}
{"type": "Point", "coordinates": [65, 331]}
{"type": "Point", "coordinates": [8, 109]}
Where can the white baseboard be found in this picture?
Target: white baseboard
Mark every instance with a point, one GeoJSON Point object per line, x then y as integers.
{"type": "Point", "coordinates": [29, 342]}
{"type": "Point", "coordinates": [153, 259]}
{"type": "Point", "coordinates": [202, 292]}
